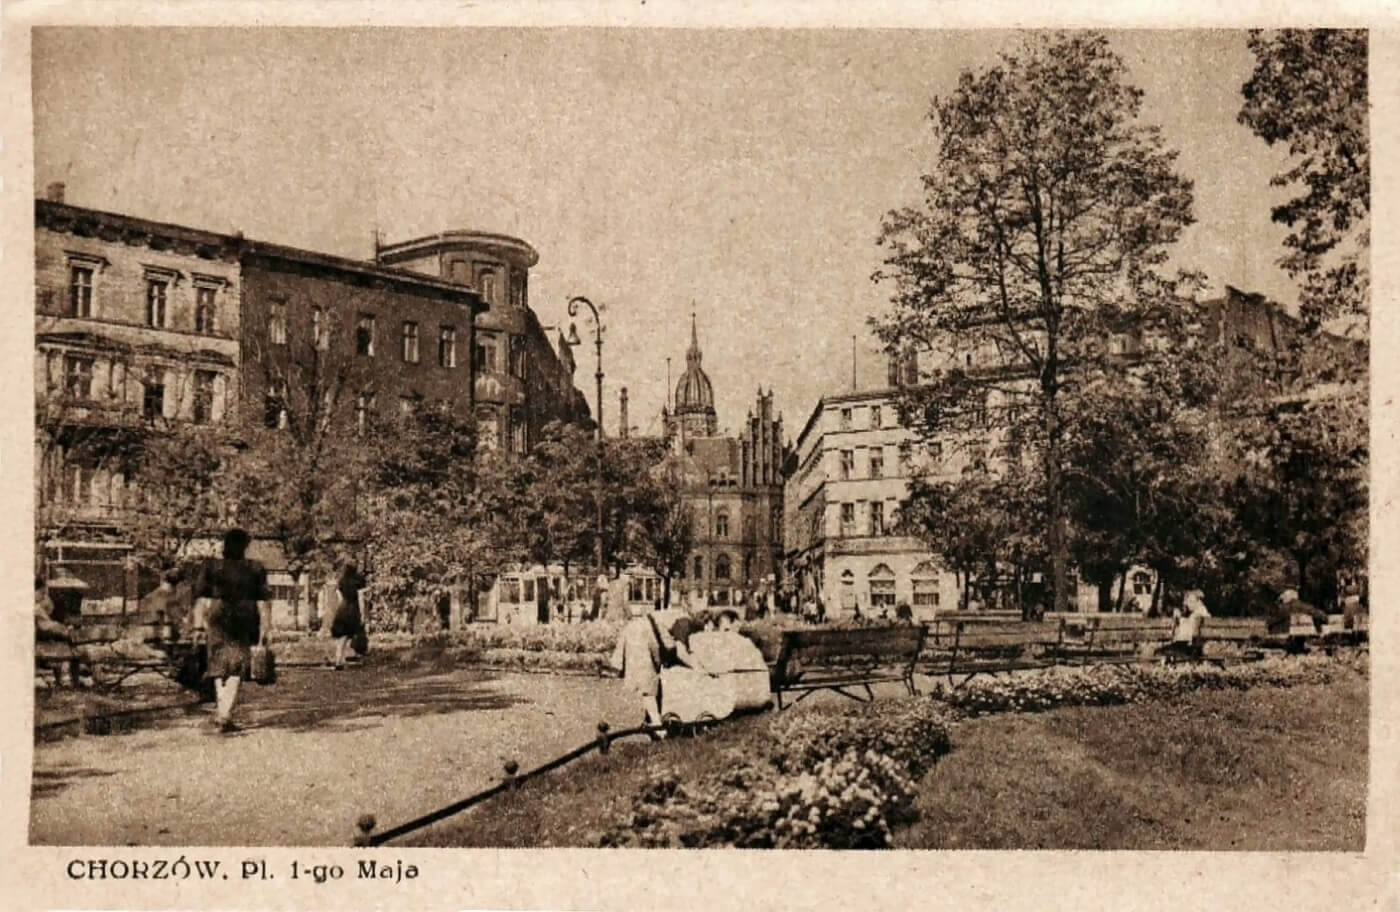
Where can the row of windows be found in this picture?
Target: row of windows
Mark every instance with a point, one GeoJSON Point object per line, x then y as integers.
{"type": "Point", "coordinates": [878, 520]}
{"type": "Point", "coordinates": [80, 376]}
{"type": "Point", "coordinates": [880, 584]}
{"type": "Point", "coordinates": [723, 567]}
{"type": "Point", "coordinates": [82, 283]}
{"type": "Point", "coordinates": [365, 332]}
{"type": "Point", "coordinates": [977, 413]}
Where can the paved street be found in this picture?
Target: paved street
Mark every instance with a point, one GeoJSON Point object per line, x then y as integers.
{"type": "Point", "coordinates": [320, 749]}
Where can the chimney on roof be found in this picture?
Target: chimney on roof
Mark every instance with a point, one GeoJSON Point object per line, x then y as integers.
{"type": "Point", "coordinates": [54, 192]}
{"type": "Point", "coordinates": [622, 413]}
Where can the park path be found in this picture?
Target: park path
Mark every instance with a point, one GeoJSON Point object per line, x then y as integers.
{"type": "Point", "coordinates": [319, 749]}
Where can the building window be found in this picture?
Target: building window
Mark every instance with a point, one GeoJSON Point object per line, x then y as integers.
{"type": "Point", "coordinates": [486, 356]}
{"type": "Point", "coordinates": [517, 357]}
{"type": "Point", "coordinates": [77, 377]}
{"type": "Point", "coordinates": [487, 285]}
{"type": "Point", "coordinates": [275, 404]}
{"type": "Point", "coordinates": [364, 407]}
{"type": "Point", "coordinates": [925, 586]}
{"type": "Point", "coordinates": [488, 431]}
{"type": "Point", "coordinates": [877, 462]}
{"type": "Point", "coordinates": [80, 290]}
{"type": "Point", "coordinates": [320, 328]}
{"type": "Point", "coordinates": [517, 290]}
{"type": "Point", "coordinates": [906, 460]}
{"type": "Point", "coordinates": [848, 464]}
{"type": "Point", "coordinates": [517, 431]}
{"type": "Point", "coordinates": [848, 519]}
{"type": "Point", "coordinates": [153, 397]}
{"type": "Point", "coordinates": [877, 518]}
{"type": "Point", "coordinates": [722, 567]}
{"type": "Point", "coordinates": [875, 416]}
{"type": "Point", "coordinates": [410, 342]}
{"type": "Point", "coordinates": [156, 291]}
{"type": "Point", "coordinates": [447, 347]}
{"type": "Point", "coordinates": [845, 419]}
{"type": "Point", "coordinates": [204, 310]}
{"type": "Point", "coordinates": [1142, 583]}
{"type": "Point", "coordinates": [699, 567]}
{"type": "Point", "coordinates": [881, 582]}
{"type": "Point", "coordinates": [277, 323]}
{"type": "Point", "coordinates": [364, 336]}
{"type": "Point", "coordinates": [204, 396]}
{"type": "Point", "coordinates": [722, 524]}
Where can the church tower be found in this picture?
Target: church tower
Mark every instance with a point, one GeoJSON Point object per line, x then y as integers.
{"type": "Point", "coordinates": [694, 412]}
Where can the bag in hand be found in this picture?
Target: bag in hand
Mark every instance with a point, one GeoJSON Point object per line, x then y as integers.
{"type": "Point", "coordinates": [263, 666]}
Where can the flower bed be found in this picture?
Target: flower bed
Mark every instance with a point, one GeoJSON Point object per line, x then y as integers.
{"type": "Point", "coordinates": [832, 779]}
{"type": "Point", "coordinates": [1109, 685]}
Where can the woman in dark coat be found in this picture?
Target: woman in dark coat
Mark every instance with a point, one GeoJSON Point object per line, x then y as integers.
{"type": "Point", "coordinates": [347, 624]}
{"type": "Point", "coordinates": [239, 617]}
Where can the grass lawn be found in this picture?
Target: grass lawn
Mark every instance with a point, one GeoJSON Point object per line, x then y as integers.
{"type": "Point", "coordinates": [1267, 769]}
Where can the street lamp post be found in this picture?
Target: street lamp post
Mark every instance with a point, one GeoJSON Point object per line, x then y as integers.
{"type": "Point", "coordinates": [598, 377]}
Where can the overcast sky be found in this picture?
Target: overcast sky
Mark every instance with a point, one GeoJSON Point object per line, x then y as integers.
{"type": "Point", "coordinates": [741, 173]}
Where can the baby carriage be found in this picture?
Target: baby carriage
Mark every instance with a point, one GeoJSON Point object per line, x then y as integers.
{"type": "Point", "coordinates": [727, 675]}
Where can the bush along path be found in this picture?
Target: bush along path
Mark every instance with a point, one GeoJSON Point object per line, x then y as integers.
{"type": "Point", "coordinates": [837, 779]}
{"type": "Point", "coordinates": [845, 777]}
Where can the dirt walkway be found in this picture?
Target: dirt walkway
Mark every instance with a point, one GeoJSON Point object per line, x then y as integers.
{"type": "Point", "coordinates": [319, 749]}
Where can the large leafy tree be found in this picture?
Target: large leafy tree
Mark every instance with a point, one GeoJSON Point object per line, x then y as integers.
{"type": "Point", "coordinates": [427, 531]}
{"type": "Point", "coordinates": [1309, 92]}
{"type": "Point", "coordinates": [1047, 212]}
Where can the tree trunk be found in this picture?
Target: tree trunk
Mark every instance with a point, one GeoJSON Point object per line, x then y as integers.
{"type": "Point", "coordinates": [1156, 608]}
{"type": "Point", "coordinates": [666, 591]}
{"type": "Point", "coordinates": [1122, 588]}
{"type": "Point", "coordinates": [1302, 559]}
{"type": "Point", "coordinates": [1105, 587]}
{"type": "Point", "coordinates": [967, 589]}
{"type": "Point", "coordinates": [1059, 559]}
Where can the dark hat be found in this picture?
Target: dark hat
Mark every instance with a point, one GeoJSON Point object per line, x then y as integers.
{"type": "Point", "coordinates": [728, 612]}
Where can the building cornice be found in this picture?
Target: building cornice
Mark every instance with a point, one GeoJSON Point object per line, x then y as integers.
{"type": "Point", "coordinates": [511, 249]}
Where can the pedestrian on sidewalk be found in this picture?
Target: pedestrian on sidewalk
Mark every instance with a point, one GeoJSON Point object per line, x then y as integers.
{"type": "Point", "coordinates": [348, 624]}
{"type": "Point", "coordinates": [240, 615]}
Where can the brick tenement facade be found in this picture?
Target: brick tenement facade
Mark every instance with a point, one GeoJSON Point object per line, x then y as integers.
{"type": "Point", "coordinates": [523, 378]}
{"type": "Point", "coordinates": [402, 338]}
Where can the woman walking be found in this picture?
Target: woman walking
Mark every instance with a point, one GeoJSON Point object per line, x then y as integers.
{"type": "Point", "coordinates": [240, 615]}
{"type": "Point", "coordinates": [347, 625]}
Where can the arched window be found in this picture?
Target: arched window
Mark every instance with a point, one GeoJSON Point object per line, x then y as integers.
{"type": "Point", "coordinates": [881, 581]}
{"type": "Point", "coordinates": [699, 567]}
{"type": "Point", "coordinates": [848, 590]}
{"type": "Point", "coordinates": [722, 523]}
{"type": "Point", "coordinates": [925, 580]}
{"type": "Point", "coordinates": [722, 567]}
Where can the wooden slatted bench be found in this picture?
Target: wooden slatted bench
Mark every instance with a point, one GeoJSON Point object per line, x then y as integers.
{"type": "Point", "coordinates": [1123, 638]}
{"type": "Point", "coordinates": [969, 648]}
{"type": "Point", "coordinates": [1250, 634]}
{"type": "Point", "coordinates": [838, 660]}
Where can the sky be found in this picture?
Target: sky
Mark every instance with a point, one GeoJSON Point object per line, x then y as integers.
{"type": "Point", "coordinates": [738, 174]}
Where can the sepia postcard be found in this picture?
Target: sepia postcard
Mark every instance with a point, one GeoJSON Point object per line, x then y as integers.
{"type": "Point", "coordinates": [766, 456]}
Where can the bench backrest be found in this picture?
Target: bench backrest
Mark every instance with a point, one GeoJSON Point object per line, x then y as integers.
{"type": "Point", "coordinates": [1214, 628]}
{"type": "Point", "coordinates": [1120, 628]}
{"type": "Point", "coordinates": [1006, 635]}
{"type": "Point", "coordinates": [879, 644]}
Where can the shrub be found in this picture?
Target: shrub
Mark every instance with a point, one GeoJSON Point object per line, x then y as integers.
{"type": "Point", "coordinates": [1106, 685]}
{"type": "Point", "coordinates": [828, 779]}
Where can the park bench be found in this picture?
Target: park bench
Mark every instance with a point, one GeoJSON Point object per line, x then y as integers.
{"type": "Point", "coordinates": [969, 648]}
{"type": "Point", "coordinates": [838, 660]}
{"type": "Point", "coordinates": [1123, 638]}
{"type": "Point", "coordinates": [1249, 635]}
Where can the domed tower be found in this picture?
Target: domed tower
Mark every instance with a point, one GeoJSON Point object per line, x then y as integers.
{"type": "Point", "coordinates": [694, 414]}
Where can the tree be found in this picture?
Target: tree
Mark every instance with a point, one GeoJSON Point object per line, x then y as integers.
{"type": "Point", "coordinates": [182, 493]}
{"type": "Point", "coordinates": [662, 530]}
{"type": "Point", "coordinates": [301, 474]}
{"type": "Point", "coordinates": [426, 533]}
{"type": "Point", "coordinates": [1045, 216]}
{"type": "Point", "coordinates": [1309, 91]}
